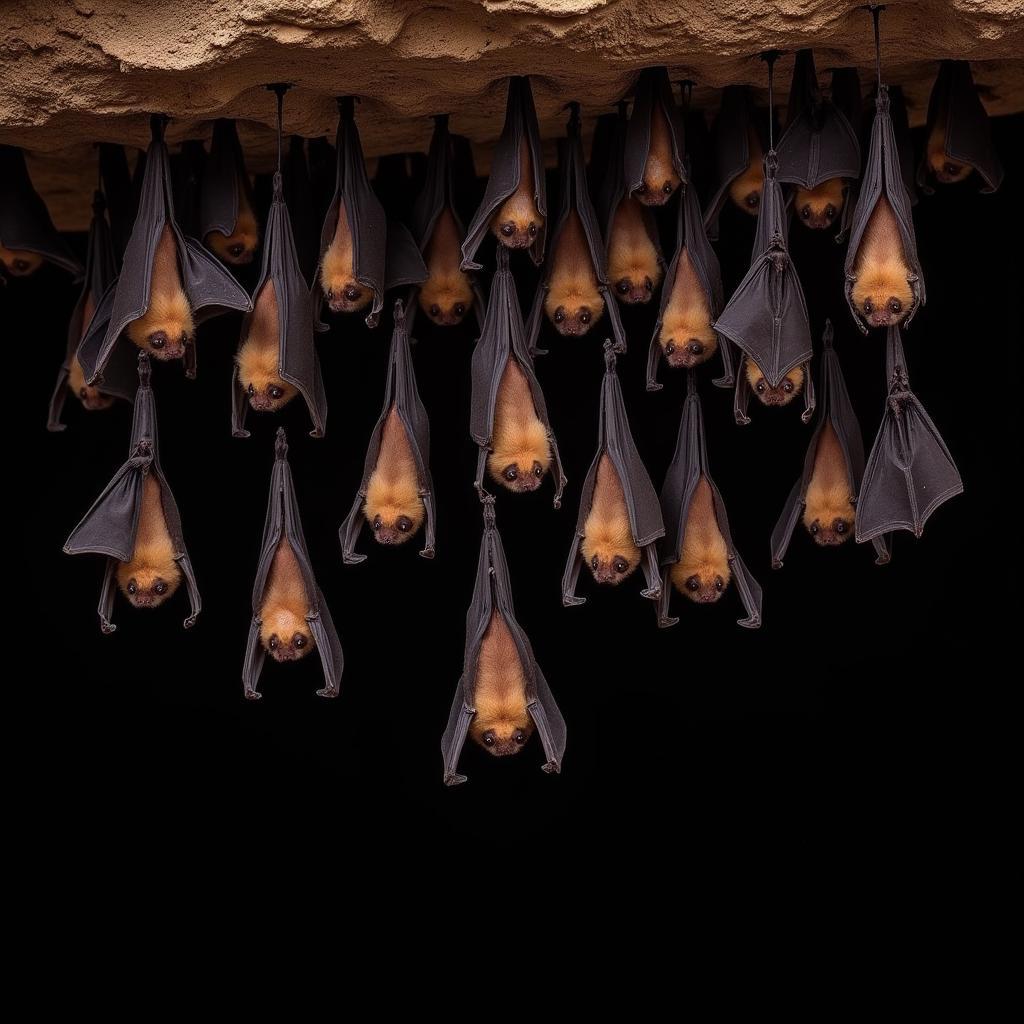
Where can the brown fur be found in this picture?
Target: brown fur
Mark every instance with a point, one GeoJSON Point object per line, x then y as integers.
{"type": "Point", "coordinates": [259, 357]}
{"type": "Point", "coordinates": [660, 177]}
{"type": "Point", "coordinates": [284, 632]}
{"type": "Point", "coordinates": [686, 336]}
{"type": "Point", "coordinates": [501, 725]}
{"type": "Point", "coordinates": [92, 399]}
{"type": "Point", "coordinates": [240, 246]}
{"type": "Point", "coordinates": [520, 447]}
{"type": "Point", "coordinates": [337, 277]}
{"type": "Point", "coordinates": [152, 575]}
{"type": "Point", "coordinates": [446, 296]}
{"type": "Point", "coordinates": [518, 220]}
{"type": "Point", "coordinates": [608, 547]}
{"type": "Point", "coordinates": [393, 507]}
{"type": "Point", "coordinates": [828, 509]}
{"type": "Point", "coordinates": [788, 388]}
{"type": "Point", "coordinates": [702, 572]}
{"type": "Point", "coordinates": [745, 190]}
{"type": "Point", "coordinates": [818, 207]}
{"type": "Point", "coordinates": [20, 262]}
{"type": "Point", "coordinates": [945, 170]}
{"type": "Point", "coordinates": [634, 268]}
{"type": "Point", "coordinates": [573, 303]}
{"type": "Point", "coordinates": [881, 291]}
{"type": "Point", "coordinates": [166, 326]}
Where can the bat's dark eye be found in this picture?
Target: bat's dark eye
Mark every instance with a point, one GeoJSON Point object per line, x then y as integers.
{"type": "Point", "coordinates": [460, 309]}
{"type": "Point", "coordinates": [952, 169]}
{"type": "Point", "coordinates": [435, 310]}
{"type": "Point", "coordinates": [895, 305]}
{"type": "Point", "coordinates": [274, 642]}
{"type": "Point", "coordinates": [559, 316]}
{"type": "Point", "coordinates": [376, 522]}
{"type": "Point", "coordinates": [511, 473]}
{"type": "Point", "coordinates": [533, 230]}
{"type": "Point", "coordinates": [250, 390]}
{"type": "Point", "coordinates": [158, 341]}
{"type": "Point", "coordinates": [351, 293]}
{"type": "Point", "coordinates": [298, 641]}
{"type": "Point", "coordinates": [160, 588]}
{"type": "Point", "coordinates": [593, 563]}
{"type": "Point", "coordinates": [753, 200]}
{"type": "Point", "coordinates": [830, 211]}
{"type": "Point", "coordinates": [814, 529]}
{"type": "Point", "coordinates": [236, 250]}
{"type": "Point", "coordinates": [584, 318]}
{"type": "Point", "coordinates": [667, 188]}
{"type": "Point", "coordinates": [787, 386]}
{"type": "Point", "coordinates": [508, 230]}
{"type": "Point", "coordinates": [648, 284]}
{"type": "Point", "coordinates": [275, 391]}
{"type": "Point", "coordinates": [520, 737]}
{"type": "Point", "coordinates": [623, 286]}
{"type": "Point", "coordinates": [132, 587]}
{"type": "Point", "coordinates": [868, 307]}
{"type": "Point", "coordinates": [538, 470]}
{"type": "Point", "coordinates": [839, 526]}
{"type": "Point", "coordinates": [404, 524]}
{"type": "Point", "coordinates": [670, 348]}
{"type": "Point", "coordinates": [489, 738]}
{"type": "Point", "coordinates": [719, 583]}
{"type": "Point", "coordinates": [693, 584]}
{"type": "Point", "coordinates": [621, 565]}
{"type": "Point", "coordinates": [761, 386]}
{"type": "Point", "coordinates": [21, 265]}
{"type": "Point", "coordinates": [642, 188]}
{"type": "Point", "coordinates": [806, 213]}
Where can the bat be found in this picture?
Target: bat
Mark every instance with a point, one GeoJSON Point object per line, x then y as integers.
{"type": "Point", "coordinates": [828, 510]}
{"type": "Point", "coordinates": [660, 178]}
{"type": "Point", "coordinates": [167, 326]}
{"type": "Point", "coordinates": [284, 632]}
{"type": "Point", "coordinates": [745, 189]}
{"type": "Point", "coordinates": [394, 508]}
{"type": "Point", "coordinates": [653, 155]}
{"type": "Point", "coordinates": [686, 336]}
{"type": "Point", "coordinates": [447, 294]}
{"type": "Point", "coordinates": [20, 262]}
{"type": "Point", "coordinates": [881, 277]}
{"type": "Point", "coordinates": [92, 398]}
{"type": "Point", "coordinates": [521, 445]}
{"type": "Point", "coordinates": [152, 574]}
{"type": "Point", "coordinates": [607, 545]}
{"type": "Point", "coordinates": [343, 292]}
{"type": "Point", "coordinates": [229, 225]}
{"type": "Point", "coordinates": [946, 170]}
{"type": "Point", "coordinates": [518, 221]}
{"type": "Point", "coordinates": [634, 264]}
{"type": "Point", "coordinates": [573, 302]}
{"type": "Point", "coordinates": [818, 207]}
{"type": "Point", "coordinates": [240, 246]}
{"type": "Point", "coordinates": [702, 572]}
{"type": "Point", "coordinates": [501, 725]}
{"type": "Point", "coordinates": [781, 394]}
{"type": "Point", "coordinates": [258, 357]}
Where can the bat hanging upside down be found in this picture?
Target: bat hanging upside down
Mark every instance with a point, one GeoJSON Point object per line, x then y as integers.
{"type": "Point", "coordinates": [686, 336]}
{"type": "Point", "coordinates": [518, 220]}
{"type": "Point", "coordinates": [881, 289]}
{"type": "Point", "coordinates": [501, 725]}
{"type": "Point", "coordinates": [783, 393]}
{"type": "Point", "coordinates": [337, 275]}
{"type": "Point", "coordinates": [608, 546]}
{"type": "Point", "coordinates": [818, 207]}
{"type": "Point", "coordinates": [259, 357]}
{"type": "Point", "coordinates": [634, 268]}
{"type": "Point", "coordinates": [166, 328]}
{"type": "Point", "coordinates": [284, 631]}
{"type": "Point", "coordinates": [946, 170]}
{"type": "Point", "coordinates": [520, 447]}
{"type": "Point", "coordinates": [393, 506]}
{"type": "Point", "coordinates": [92, 399]}
{"type": "Point", "coordinates": [573, 303]}
{"type": "Point", "coordinates": [828, 506]}
{"type": "Point", "coordinates": [702, 572]}
{"type": "Point", "coordinates": [240, 246]}
{"type": "Point", "coordinates": [20, 262]}
{"type": "Point", "coordinates": [446, 296]}
{"type": "Point", "coordinates": [660, 177]}
{"type": "Point", "coordinates": [152, 575]}
{"type": "Point", "coordinates": [745, 190]}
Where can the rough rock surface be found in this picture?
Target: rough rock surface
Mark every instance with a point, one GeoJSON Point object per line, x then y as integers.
{"type": "Point", "coordinates": [74, 73]}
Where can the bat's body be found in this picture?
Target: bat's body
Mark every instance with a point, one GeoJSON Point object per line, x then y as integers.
{"type": "Point", "coordinates": [393, 507]}
{"type": "Point", "coordinates": [518, 220]}
{"type": "Point", "coordinates": [337, 277]}
{"type": "Point", "coordinates": [633, 265]}
{"type": "Point", "coordinates": [686, 336]}
{"type": "Point", "coordinates": [520, 447]}
{"type": "Point", "coordinates": [818, 207]}
{"type": "Point", "coordinates": [258, 358]}
{"type": "Point", "coordinates": [946, 171]}
{"type": "Point", "coordinates": [660, 177]}
{"type": "Point", "coordinates": [152, 575]}
{"type": "Point", "coordinates": [881, 290]}
{"type": "Point", "coordinates": [240, 246]}
{"type": "Point", "coordinates": [92, 399]}
{"type": "Point", "coordinates": [828, 509]}
{"type": "Point", "coordinates": [501, 725]}
{"type": "Point", "coordinates": [446, 295]}
{"type": "Point", "coordinates": [166, 326]}
{"type": "Point", "coordinates": [702, 572]}
{"type": "Point", "coordinates": [788, 388]}
{"type": "Point", "coordinates": [608, 546]}
{"type": "Point", "coordinates": [20, 262]}
{"type": "Point", "coordinates": [284, 631]}
{"type": "Point", "coordinates": [573, 303]}
{"type": "Point", "coordinates": [745, 190]}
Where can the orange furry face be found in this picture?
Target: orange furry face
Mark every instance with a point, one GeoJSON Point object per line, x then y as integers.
{"type": "Point", "coordinates": [285, 636]}
{"type": "Point", "coordinates": [745, 191]}
{"type": "Point", "coordinates": [690, 351]}
{"type": "Point", "coordinates": [502, 738]}
{"type": "Point", "coordinates": [345, 295]}
{"type": "Point", "coordinates": [92, 399]}
{"type": "Point", "coordinates": [883, 295]}
{"type": "Point", "coordinates": [787, 389]}
{"type": "Point", "coordinates": [611, 567]}
{"type": "Point", "coordinates": [20, 262]}
{"type": "Point", "coordinates": [818, 207]}
{"type": "Point", "coordinates": [240, 246]}
{"type": "Point", "coordinates": [446, 303]}
{"type": "Point", "coordinates": [947, 171]}
{"type": "Point", "coordinates": [521, 476]}
{"type": "Point", "coordinates": [517, 222]}
{"type": "Point", "coordinates": [634, 291]}
{"type": "Point", "coordinates": [574, 323]}
{"type": "Point", "coordinates": [273, 395]}
{"type": "Point", "coordinates": [704, 585]}
{"type": "Point", "coordinates": [831, 534]}
{"type": "Point", "coordinates": [660, 181]}
{"type": "Point", "coordinates": [148, 588]}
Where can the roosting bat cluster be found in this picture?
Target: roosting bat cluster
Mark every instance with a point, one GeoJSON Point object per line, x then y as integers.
{"type": "Point", "coordinates": [148, 285]}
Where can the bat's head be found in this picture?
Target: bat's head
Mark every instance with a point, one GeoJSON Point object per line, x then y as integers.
{"type": "Point", "coordinates": [502, 731]}
{"type": "Point", "coordinates": [286, 636]}
{"type": "Point", "coordinates": [166, 328]}
{"type": "Point", "coordinates": [660, 181]}
{"type": "Point", "coordinates": [346, 296]}
{"type": "Point", "coordinates": [702, 583]}
{"type": "Point", "coordinates": [517, 222]}
{"type": "Point", "coordinates": [261, 380]}
{"type": "Point", "coordinates": [609, 550]}
{"type": "Point", "coordinates": [269, 396]}
{"type": "Point", "coordinates": [521, 456]}
{"type": "Point", "coordinates": [946, 170]}
{"type": "Point", "coordinates": [93, 400]}
{"type": "Point", "coordinates": [446, 298]}
{"type": "Point", "coordinates": [831, 533]}
{"type": "Point", "coordinates": [745, 189]}
{"type": "Point", "coordinates": [882, 294]}
{"type": "Point", "coordinates": [634, 288]}
{"type": "Point", "coordinates": [783, 393]}
{"type": "Point", "coordinates": [818, 207]}
{"type": "Point", "coordinates": [240, 246]}
{"type": "Point", "coordinates": [573, 311]}
{"type": "Point", "coordinates": [686, 338]}
{"type": "Point", "coordinates": [148, 586]}
{"type": "Point", "coordinates": [20, 262]}
{"type": "Point", "coordinates": [393, 507]}
{"type": "Point", "coordinates": [829, 518]}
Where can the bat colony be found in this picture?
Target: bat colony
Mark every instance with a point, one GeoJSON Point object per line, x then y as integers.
{"type": "Point", "coordinates": [501, 701]}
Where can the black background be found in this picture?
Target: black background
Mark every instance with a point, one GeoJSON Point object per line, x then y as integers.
{"type": "Point", "coordinates": [148, 728]}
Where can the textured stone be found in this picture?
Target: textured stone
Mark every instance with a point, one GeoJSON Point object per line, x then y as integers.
{"type": "Point", "coordinates": [76, 73]}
